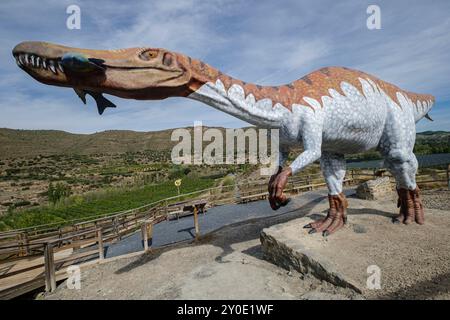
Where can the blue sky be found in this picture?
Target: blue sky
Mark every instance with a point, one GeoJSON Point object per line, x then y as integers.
{"type": "Point", "coordinates": [267, 42]}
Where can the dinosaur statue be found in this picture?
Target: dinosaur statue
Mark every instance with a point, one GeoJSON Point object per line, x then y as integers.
{"type": "Point", "coordinates": [331, 112]}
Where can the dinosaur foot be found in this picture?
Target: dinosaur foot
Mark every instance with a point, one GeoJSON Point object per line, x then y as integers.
{"type": "Point", "coordinates": [411, 208]}
{"type": "Point", "coordinates": [335, 219]}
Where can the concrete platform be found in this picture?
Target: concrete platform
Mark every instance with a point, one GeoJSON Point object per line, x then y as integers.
{"type": "Point", "coordinates": [413, 260]}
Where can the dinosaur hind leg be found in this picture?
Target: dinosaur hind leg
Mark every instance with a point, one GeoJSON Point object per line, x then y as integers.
{"type": "Point", "coordinates": [333, 169]}
{"type": "Point", "coordinates": [403, 166]}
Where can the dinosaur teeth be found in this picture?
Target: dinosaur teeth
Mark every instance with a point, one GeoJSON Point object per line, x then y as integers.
{"type": "Point", "coordinates": [60, 67]}
{"type": "Point", "coordinates": [52, 67]}
{"type": "Point", "coordinates": [32, 60]}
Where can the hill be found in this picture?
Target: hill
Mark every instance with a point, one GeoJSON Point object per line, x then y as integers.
{"type": "Point", "coordinates": [29, 143]}
{"type": "Point", "coordinates": [429, 142]}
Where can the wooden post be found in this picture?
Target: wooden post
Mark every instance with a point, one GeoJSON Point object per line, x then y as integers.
{"type": "Point", "coordinates": [144, 236]}
{"type": "Point", "coordinates": [74, 239]}
{"type": "Point", "coordinates": [101, 252]}
{"type": "Point", "coordinates": [26, 243]}
{"type": "Point", "coordinates": [197, 229]}
{"type": "Point", "coordinates": [166, 210]}
{"type": "Point", "coordinates": [49, 262]}
{"type": "Point", "coordinates": [150, 233]}
{"type": "Point", "coordinates": [20, 242]}
{"type": "Point", "coordinates": [116, 228]}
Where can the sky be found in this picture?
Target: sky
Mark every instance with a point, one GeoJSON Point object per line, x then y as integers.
{"type": "Point", "coordinates": [265, 42]}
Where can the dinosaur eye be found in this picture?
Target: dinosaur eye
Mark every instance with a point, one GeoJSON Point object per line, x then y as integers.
{"type": "Point", "coordinates": [149, 54]}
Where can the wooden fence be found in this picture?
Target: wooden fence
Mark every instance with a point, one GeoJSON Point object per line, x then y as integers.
{"type": "Point", "coordinates": [33, 257]}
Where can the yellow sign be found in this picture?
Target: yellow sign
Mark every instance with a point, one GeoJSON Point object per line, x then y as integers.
{"type": "Point", "coordinates": [178, 182]}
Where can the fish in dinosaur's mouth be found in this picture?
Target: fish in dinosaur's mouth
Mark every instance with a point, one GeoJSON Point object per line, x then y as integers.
{"type": "Point", "coordinates": [135, 73]}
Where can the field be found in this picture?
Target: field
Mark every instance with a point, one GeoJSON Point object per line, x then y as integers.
{"type": "Point", "coordinates": [102, 202]}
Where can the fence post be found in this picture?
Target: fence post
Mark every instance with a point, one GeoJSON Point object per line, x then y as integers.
{"type": "Point", "coordinates": [20, 242]}
{"type": "Point", "coordinates": [116, 228]}
{"type": "Point", "coordinates": [166, 212]}
{"type": "Point", "coordinates": [144, 236]}
{"type": "Point", "coordinates": [197, 229]}
{"type": "Point", "coordinates": [26, 243]}
{"type": "Point", "coordinates": [49, 262]}
{"type": "Point", "coordinates": [101, 252]}
{"type": "Point", "coordinates": [76, 238]}
{"type": "Point", "coordinates": [150, 234]}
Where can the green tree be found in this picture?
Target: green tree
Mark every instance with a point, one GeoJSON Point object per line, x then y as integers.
{"type": "Point", "coordinates": [56, 193]}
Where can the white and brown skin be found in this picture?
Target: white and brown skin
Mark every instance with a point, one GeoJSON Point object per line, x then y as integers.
{"type": "Point", "coordinates": [330, 112]}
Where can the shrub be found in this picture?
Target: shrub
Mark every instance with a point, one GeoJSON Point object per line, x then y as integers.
{"type": "Point", "coordinates": [56, 193]}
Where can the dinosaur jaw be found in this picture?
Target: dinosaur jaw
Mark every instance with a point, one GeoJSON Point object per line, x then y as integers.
{"type": "Point", "coordinates": [136, 73]}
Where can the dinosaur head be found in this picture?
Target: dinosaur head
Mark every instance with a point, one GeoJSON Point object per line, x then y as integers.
{"type": "Point", "coordinates": [135, 73]}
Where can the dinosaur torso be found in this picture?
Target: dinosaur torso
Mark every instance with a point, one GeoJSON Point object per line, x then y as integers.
{"type": "Point", "coordinates": [349, 107]}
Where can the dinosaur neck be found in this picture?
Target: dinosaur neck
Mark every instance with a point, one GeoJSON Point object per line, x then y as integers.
{"type": "Point", "coordinates": [258, 105]}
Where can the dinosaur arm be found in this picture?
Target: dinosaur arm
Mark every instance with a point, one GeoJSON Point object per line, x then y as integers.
{"type": "Point", "coordinates": [311, 133]}
{"type": "Point", "coordinates": [283, 155]}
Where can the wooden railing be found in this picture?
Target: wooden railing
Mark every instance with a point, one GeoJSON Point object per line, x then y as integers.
{"type": "Point", "coordinates": [37, 256]}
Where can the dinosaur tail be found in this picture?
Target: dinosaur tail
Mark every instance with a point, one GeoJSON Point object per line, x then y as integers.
{"type": "Point", "coordinates": [422, 104]}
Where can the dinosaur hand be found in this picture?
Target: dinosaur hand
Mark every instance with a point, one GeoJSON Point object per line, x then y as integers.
{"type": "Point", "coordinates": [276, 185]}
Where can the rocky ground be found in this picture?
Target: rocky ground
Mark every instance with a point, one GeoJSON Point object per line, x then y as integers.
{"type": "Point", "coordinates": [226, 264]}
{"type": "Point", "coordinates": [436, 199]}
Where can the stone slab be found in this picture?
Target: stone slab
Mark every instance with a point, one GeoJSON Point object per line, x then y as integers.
{"type": "Point", "coordinates": [413, 260]}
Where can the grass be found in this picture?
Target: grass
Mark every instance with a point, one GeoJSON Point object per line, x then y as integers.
{"type": "Point", "coordinates": [99, 203]}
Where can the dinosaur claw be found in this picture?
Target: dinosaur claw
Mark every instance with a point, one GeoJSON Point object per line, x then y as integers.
{"type": "Point", "coordinates": [326, 233]}
{"type": "Point", "coordinates": [285, 202]}
{"type": "Point", "coordinates": [308, 226]}
{"type": "Point", "coordinates": [312, 231]}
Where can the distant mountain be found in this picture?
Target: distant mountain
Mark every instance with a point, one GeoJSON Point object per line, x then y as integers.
{"type": "Point", "coordinates": [433, 133]}
{"type": "Point", "coordinates": [29, 143]}
{"type": "Point", "coordinates": [430, 142]}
